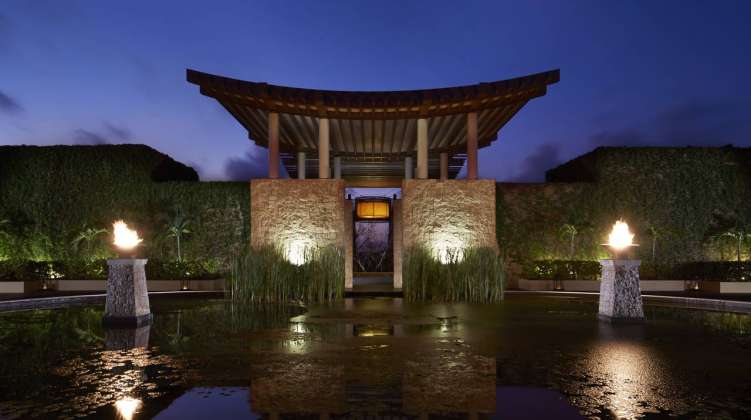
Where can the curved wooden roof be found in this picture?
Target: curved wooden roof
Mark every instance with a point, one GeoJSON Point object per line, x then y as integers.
{"type": "Point", "coordinates": [367, 124]}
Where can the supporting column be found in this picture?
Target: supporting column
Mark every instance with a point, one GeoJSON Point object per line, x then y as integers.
{"type": "Point", "coordinates": [127, 302]}
{"type": "Point", "coordinates": [472, 145]}
{"type": "Point", "coordinates": [338, 167]}
{"type": "Point", "coordinates": [620, 294]}
{"type": "Point", "coordinates": [323, 149]}
{"type": "Point", "coordinates": [300, 165]}
{"type": "Point", "coordinates": [422, 148]}
{"type": "Point", "coordinates": [397, 241]}
{"type": "Point", "coordinates": [444, 166]}
{"type": "Point", "coordinates": [273, 145]}
{"type": "Point", "coordinates": [408, 167]}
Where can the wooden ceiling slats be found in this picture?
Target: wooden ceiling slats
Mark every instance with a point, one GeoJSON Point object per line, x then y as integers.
{"type": "Point", "coordinates": [447, 135]}
{"type": "Point", "coordinates": [336, 133]}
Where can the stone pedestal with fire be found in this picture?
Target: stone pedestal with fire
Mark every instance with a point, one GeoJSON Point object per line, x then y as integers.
{"type": "Point", "coordinates": [620, 294]}
{"type": "Point", "coordinates": [127, 303]}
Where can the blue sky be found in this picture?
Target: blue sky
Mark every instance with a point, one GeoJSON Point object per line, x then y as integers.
{"type": "Point", "coordinates": [632, 72]}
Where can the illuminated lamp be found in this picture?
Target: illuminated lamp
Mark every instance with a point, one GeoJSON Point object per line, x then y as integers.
{"type": "Point", "coordinates": [373, 209]}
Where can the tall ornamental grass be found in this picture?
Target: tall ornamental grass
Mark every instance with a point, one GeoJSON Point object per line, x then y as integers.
{"type": "Point", "coordinates": [477, 275]}
{"type": "Point", "coordinates": [264, 275]}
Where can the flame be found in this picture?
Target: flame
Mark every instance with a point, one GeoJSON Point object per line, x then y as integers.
{"type": "Point", "coordinates": [125, 239]}
{"type": "Point", "coordinates": [620, 237]}
{"type": "Point", "coordinates": [127, 407]}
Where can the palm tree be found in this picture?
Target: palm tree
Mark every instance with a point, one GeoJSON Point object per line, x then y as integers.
{"type": "Point", "coordinates": [738, 233]}
{"type": "Point", "coordinates": [655, 233]}
{"type": "Point", "coordinates": [569, 231]}
{"type": "Point", "coordinates": [87, 236]}
{"type": "Point", "coordinates": [177, 226]}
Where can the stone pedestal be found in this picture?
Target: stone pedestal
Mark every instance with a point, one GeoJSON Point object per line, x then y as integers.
{"type": "Point", "coordinates": [620, 294]}
{"type": "Point", "coordinates": [127, 302]}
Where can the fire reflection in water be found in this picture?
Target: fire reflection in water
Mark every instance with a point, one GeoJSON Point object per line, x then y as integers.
{"type": "Point", "coordinates": [632, 371]}
{"type": "Point", "coordinates": [127, 407]}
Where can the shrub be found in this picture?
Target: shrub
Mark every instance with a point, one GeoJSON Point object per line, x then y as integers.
{"type": "Point", "coordinates": [265, 275]}
{"type": "Point", "coordinates": [97, 270]}
{"type": "Point", "coordinates": [477, 276]}
{"type": "Point", "coordinates": [561, 270]}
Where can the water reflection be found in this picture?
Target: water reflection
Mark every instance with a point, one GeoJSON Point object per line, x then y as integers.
{"type": "Point", "coordinates": [127, 407]}
{"type": "Point", "coordinates": [126, 338]}
{"type": "Point", "coordinates": [523, 358]}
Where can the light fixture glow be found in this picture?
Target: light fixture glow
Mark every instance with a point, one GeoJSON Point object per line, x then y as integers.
{"type": "Point", "coordinates": [125, 238]}
{"type": "Point", "coordinates": [448, 247]}
{"type": "Point", "coordinates": [296, 252]}
{"type": "Point", "coordinates": [620, 236]}
{"type": "Point", "coordinates": [127, 407]}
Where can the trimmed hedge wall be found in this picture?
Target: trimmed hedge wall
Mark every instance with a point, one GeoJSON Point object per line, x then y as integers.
{"type": "Point", "coordinates": [49, 195]}
{"type": "Point", "coordinates": [688, 195]}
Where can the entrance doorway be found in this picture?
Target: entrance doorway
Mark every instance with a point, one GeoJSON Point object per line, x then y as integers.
{"type": "Point", "coordinates": [373, 244]}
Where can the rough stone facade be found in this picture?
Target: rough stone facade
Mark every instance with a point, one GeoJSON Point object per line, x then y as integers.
{"type": "Point", "coordinates": [127, 296]}
{"type": "Point", "coordinates": [446, 216]}
{"type": "Point", "coordinates": [298, 214]}
{"type": "Point", "coordinates": [620, 294]}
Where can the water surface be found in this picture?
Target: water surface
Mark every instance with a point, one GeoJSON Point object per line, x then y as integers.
{"type": "Point", "coordinates": [528, 357]}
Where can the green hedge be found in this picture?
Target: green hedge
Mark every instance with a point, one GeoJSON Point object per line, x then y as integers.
{"type": "Point", "coordinates": [49, 195]}
{"type": "Point", "coordinates": [591, 270]}
{"type": "Point", "coordinates": [561, 270]}
{"type": "Point", "coordinates": [13, 270]}
{"type": "Point", "coordinates": [687, 195]}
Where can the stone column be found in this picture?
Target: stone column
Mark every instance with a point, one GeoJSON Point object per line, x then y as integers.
{"type": "Point", "coordinates": [444, 166]}
{"type": "Point", "coordinates": [323, 149]}
{"type": "Point", "coordinates": [300, 165]}
{"type": "Point", "coordinates": [273, 145]}
{"type": "Point", "coordinates": [127, 301]}
{"type": "Point", "coordinates": [408, 167]}
{"type": "Point", "coordinates": [472, 145]}
{"type": "Point", "coordinates": [396, 229]}
{"type": "Point", "coordinates": [337, 167]}
{"type": "Point", "coordinates": [349, 245]}
{"type": "Point", "coordinates": [422, 148]}
{"type": "Point", "coordinates": [620, 294]}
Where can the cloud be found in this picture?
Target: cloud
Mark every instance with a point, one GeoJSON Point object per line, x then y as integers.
{"type": "Point", "coordinates": [9, 105]}
{"type": "Point", "coordinates": [249, 166]}
{"type": "Point", "coordinates": [691, 123]}
{"type": "Point", "coordinates": [545, 157]}
{"type": "Point", "coordinates": [112, 133]}
{"type": "Point", "coordinates": [120, 133]}
{"type": "Point", "coordinates": [86, 137]}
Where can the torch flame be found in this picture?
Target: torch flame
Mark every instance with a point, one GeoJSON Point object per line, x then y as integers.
{"type": "Point", "coordinates": [620, 237]}
{"type": "Point", "coordinates": [125, 239]}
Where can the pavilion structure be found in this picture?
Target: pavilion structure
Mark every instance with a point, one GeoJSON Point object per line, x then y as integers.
{"type": "Point", "coordinates": [418, 140]}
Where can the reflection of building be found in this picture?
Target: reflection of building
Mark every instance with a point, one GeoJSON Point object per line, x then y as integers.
{"type": "Point", "coordinates": [446, 381]}
{"type": "Point", "coordinates": [415, 140]}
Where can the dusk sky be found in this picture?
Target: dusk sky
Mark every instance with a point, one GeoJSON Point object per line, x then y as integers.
{"type": "Point", "coordinates": [632, 72]}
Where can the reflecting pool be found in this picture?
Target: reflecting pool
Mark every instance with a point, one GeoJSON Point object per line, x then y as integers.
{"type": "Point", "coordinates": [527, 358]}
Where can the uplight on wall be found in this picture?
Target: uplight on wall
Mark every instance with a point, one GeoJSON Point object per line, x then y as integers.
{"type": "Point", "coordinates": [297, 251]}
{"type": "Point", "coordinates": [448, 247]}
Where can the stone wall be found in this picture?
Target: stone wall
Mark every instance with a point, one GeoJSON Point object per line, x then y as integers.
{"type": "Point", "coordinates": [447, 216]}
{"type": "Point", "coordinates": [297, 214]}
